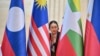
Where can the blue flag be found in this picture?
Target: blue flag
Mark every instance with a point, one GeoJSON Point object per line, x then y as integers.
{"type": "Point", "coordinates": [14, 41]}
{"type": "Point", "coordinates": [96, 18]}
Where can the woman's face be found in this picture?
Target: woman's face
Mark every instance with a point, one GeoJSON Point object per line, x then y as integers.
{"type": "Point", "coordinates": [53, 28]}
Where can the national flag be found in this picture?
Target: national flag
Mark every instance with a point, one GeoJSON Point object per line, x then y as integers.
{"type": "Point", "coordinates": [71, 41]}
{"type": "Point", "coordinates": [38, 44]}
{"type": "Point", "coordinates": [14, 40]}
{"type": "Point", "coordinates": [0, 51]}
{"type": "Point", "coordinates": [92, 34]}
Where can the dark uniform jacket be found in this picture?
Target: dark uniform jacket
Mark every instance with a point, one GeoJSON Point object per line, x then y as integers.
{"type": "Point", "coordinates": [55, 45]}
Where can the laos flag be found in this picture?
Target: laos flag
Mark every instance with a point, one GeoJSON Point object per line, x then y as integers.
{"type": "Point", "coordinates": [14, 40]}
{"type": "Point", "coordinates": [92, 35]}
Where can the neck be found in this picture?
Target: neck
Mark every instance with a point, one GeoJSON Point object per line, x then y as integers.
{"type": "Point", "coordinates": [53, 33]}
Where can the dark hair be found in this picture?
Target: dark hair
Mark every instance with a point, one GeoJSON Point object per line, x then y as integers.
{"type": "Point", "coordinates": [53, 21]}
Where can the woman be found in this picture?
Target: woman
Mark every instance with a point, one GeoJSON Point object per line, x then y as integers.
{"type": "Point", "coordinates": [54, 36]}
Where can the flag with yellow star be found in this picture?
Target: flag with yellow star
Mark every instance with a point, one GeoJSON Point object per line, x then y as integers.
{"type": "Point", "coordinates": [38, 44]}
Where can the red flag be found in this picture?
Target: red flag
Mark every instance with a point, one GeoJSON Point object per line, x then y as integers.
{"type": "Point", "coordinates": [92, 34]}
{"type": "Point", "coordinates": [92, 46]}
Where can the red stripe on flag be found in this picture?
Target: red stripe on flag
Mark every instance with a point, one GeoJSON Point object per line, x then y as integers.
{"type": "Point", "coordinates": [65, 48]}
{"type": "Point", "coordinates": [29, 52]}
{"type": "Point", "coordinates": [6, 47]}
{"type": "Point", "coordinates": [34, 45]}
{"type": "Point", "coordinates": [40, 37]}
{"type": "Point", "coordinates": [92, 45]}
{"type": "Point", "coordinates": [46, 31]}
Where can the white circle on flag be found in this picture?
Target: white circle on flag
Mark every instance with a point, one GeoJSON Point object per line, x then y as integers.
{"type": "Point", "coordinates": [15, 20]}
